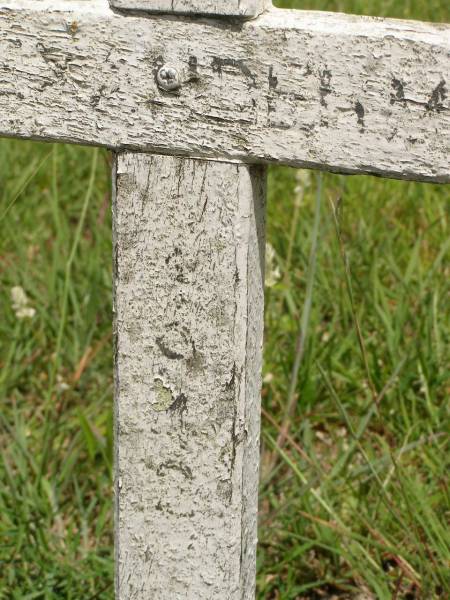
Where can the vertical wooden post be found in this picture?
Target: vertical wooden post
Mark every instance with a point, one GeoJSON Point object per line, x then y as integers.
{"type": "Point", "coordinates": [189, 255]}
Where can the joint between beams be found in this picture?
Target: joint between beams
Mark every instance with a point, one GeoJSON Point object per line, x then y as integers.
{"type": "Point", "coordinates": [218, 9]}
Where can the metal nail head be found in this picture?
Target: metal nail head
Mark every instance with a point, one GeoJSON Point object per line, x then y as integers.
{"type": "Point", "coordinates": [168, 78]}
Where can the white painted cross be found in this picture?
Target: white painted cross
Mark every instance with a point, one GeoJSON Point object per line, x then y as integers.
{"type": "Point", "coordinates": [193, 107]}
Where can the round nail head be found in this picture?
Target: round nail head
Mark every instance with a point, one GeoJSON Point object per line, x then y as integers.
{"type": "Point", "coordinates": [168, 78]}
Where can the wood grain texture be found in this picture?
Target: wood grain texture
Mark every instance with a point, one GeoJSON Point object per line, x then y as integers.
{"type": "Point", "coordinates": [229, 8]}
{"type": "Point", "coordinates": [189, 255]}
{"type": "Point", "coordinates": [319, 90]}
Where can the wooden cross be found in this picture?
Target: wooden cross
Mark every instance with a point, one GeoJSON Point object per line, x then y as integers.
{"type": "Point", "coordinates": [193, 109]}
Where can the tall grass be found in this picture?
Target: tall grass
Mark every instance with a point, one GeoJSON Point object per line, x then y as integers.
{"type": "Point", "coordinates": [358, 497]}
{"type": "Point", "coordinates": [55, 382]}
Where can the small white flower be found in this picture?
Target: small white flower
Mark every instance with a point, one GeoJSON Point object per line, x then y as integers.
{"type": "Point", "coordinates": [303, 178]}
{"type": "Point", "coordinates": [25, 313]}
{"type": "Point", "coordinates": [268, 378]}
{"type": "Point", "coordinates": [326, 336]}
{"type": "Point", "coordinates": [273, 274]}
{"type": "Point", "coordinates": [61, 385]}
{"type": "Point", "coordinates": [20, 303]}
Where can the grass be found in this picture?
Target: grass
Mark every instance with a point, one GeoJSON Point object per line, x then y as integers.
{"type": "Point", "coordinates": [354, 491]}
{"type": "Point", "coordinates": [55, 381]}
{"type": "Point", "coordinates": [356, 496]}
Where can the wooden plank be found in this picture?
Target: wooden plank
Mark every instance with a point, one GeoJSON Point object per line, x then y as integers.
{"type": "Point", "coordinates": [319, 90]}
{"type": "Point", "coordinates": [189, 254]}
{"type": "Point", "coordinates": [229, 8]}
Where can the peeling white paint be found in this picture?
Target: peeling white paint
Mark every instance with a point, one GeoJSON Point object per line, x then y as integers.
{"type": "Point", "coordinates": [189, 252]}
{"type": "Point", "coordinates": [328, 91]}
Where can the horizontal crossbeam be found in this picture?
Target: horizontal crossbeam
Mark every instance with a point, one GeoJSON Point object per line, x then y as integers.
{"type": "Point", "coordinates": [308, 89]}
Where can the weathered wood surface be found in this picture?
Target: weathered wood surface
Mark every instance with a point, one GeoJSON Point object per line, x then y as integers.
{"type": "Point", "coordinates": [328, 91]}
{"type": "Point", "coordinates": [189, 251]}
{"type": "Point", "coordinates": [229, 8]}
